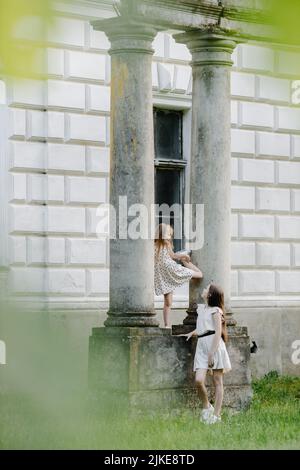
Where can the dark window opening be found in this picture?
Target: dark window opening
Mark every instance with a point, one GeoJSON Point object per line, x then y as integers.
{"type": "Point", "coordinates": [168, 134]}
{"type": "Point", "coordinates": [169, 169]}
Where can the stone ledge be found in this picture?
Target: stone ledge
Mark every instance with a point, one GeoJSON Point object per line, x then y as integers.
{"type": "Point", "coordinates": [151, 366]}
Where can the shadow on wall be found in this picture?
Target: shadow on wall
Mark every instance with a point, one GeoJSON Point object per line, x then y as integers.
{"type": "Point", "coordinates": [275, 331]}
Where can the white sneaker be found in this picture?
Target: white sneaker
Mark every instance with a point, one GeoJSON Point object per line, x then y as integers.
{"type": "Point", "coordinates": [206, 413]}
{"type": "Point", "coordinates": [213, 419]}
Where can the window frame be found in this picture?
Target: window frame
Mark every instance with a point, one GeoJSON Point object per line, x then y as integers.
{"type": "Point", "coordinates": [156, 109]}
{"type": "Point", "coordinates": [169, 164]}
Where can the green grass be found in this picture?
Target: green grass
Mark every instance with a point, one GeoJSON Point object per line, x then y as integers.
{"type": "Point", "coordinates": [271, 422]}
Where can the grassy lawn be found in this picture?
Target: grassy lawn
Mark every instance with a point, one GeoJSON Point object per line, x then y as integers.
{"type": "Point", "coordinates": [272, 422]}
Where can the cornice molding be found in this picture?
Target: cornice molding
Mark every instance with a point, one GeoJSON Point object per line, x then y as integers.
{"type": "Point", "coordinates": [249, 24]}
{"type": "Point", "coordinates": [212, 10]}
{"type": "Point", "coordinates": [205, 8]}
{"type": "Point", "coordinates": [89, 9]}
{"type": "Point", "coordinates": [252, 24]}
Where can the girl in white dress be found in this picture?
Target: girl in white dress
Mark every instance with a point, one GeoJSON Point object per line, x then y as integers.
{"type": "Point", "coordinates": [211, 352]}
{"type": "Point", "coordinates": [167, 273]}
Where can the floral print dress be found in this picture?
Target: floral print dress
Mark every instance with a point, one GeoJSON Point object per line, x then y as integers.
{"type": "Point", "coordinates": [168, 274]}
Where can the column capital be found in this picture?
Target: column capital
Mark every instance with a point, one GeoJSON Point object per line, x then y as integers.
{"type": "Point", "coordinates": [127, 35]}
{"type": "Point", "coordinates": [210, 45]}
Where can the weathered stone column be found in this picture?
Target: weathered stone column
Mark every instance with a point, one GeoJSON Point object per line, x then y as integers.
{"type": "Point", "coordinates": [211, 50]}
{"type": "Point", "coordinates": [132, 168]}
{"type": "Point", "coordinates": [129, 366]}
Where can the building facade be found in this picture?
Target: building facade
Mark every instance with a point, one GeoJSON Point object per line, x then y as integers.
{"type": "Point", "coordinates": [55, 169]}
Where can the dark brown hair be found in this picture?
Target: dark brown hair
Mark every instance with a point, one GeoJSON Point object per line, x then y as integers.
{"type": "Point", "coordinates": [215, 298]}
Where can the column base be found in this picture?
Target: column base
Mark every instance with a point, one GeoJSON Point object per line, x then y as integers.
{"type": "Point", "coordinates": [131, 319]}
{"type": "Point", "coordinates": [191, 318]}
{"type": "Point", "coordinates": [230, 320]}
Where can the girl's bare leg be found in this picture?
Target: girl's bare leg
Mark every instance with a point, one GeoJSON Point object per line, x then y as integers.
{"type": "Point", "coordinates": [168, 298]}
{"type": "Point", "coordinates": [201, 388]}
{"type": "Point", "coordinates": [197, 272]}
{"type": "Point", "coordinates": [197, 275]}
{"type": "Point", "coordinates": [218, 383]}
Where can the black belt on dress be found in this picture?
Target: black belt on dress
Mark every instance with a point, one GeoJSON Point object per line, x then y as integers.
{"type": "Point", "coordinates": [207, 333]}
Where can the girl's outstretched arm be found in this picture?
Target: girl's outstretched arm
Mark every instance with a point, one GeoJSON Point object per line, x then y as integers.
{"type": "Point", "coordinates": [179, 256]}
{"type": "Point", "coordinates": [189, 335]}
{"type": "Point", "coordinates": [174, 255]}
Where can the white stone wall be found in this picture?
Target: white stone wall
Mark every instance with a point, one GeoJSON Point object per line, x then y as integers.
{"type": "Point", "coordinates": [265, 177]}
{"type": "Point", "coordinates": [58, 158]}
{"type": "Point", "coordinates": [57, 150]}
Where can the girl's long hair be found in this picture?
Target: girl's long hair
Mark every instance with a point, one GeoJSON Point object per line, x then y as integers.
{"type": "Point", "coordinates": [160, 239]}
{"type": "Point", "coordinates": [215, 298]}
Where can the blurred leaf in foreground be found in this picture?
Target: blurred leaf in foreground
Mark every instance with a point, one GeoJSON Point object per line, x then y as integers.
{"type": "Point", "coordinates": [285, 17]}
{"type": "Point", "coordinates": [23, 32]}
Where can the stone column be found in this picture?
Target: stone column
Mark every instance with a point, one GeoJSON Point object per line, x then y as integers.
{"type": "Point", "coordinates": [132, 168]}
{"type": "Point", "coordinates": [211, 50]}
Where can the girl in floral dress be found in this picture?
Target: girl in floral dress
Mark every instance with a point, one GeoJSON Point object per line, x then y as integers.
{"type": "Point", "coordinates": [168, 274]}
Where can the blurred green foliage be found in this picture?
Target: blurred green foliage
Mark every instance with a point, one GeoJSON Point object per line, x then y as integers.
{"type": "Point", "coordinates": [285, 17]}
{"type": "Point", "coordinates": [45, 402]}
{"type": "Point", "coordinates": [44, 399]}
{"type": "Point", "coordinates": [23, 31]}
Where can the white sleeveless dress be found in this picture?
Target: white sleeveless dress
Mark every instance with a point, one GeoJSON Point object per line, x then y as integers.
{"type": "Point", "coordinates": [168, 274]}
{"type": "Point", "coordinates": [205, 322]}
